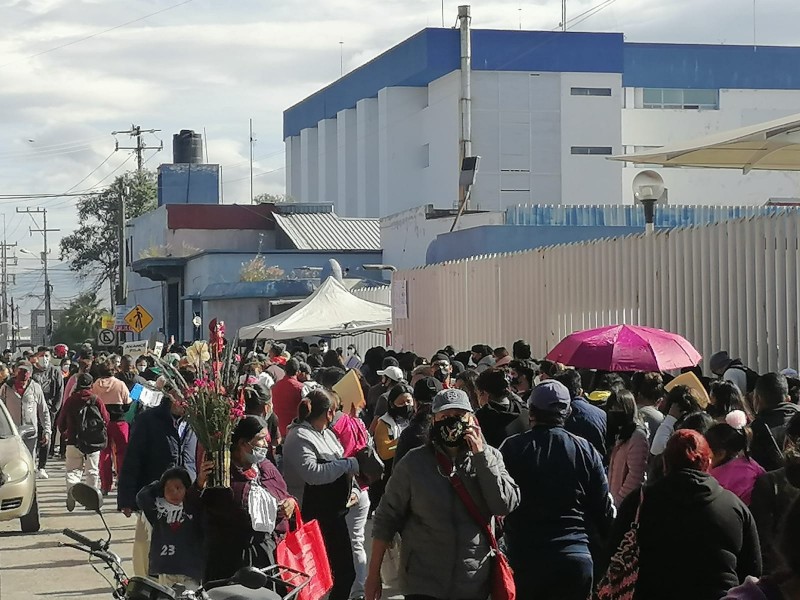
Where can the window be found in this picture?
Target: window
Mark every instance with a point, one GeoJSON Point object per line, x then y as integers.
{"type": "Point", "coordinates": [589, 91]}
{"type": "Point", "coordinates": [680, 99]}
{"type": "Point", "coordinates": [591, 150]}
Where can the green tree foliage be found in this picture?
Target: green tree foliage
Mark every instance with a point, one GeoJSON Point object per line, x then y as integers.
{"type": "Point", "coordinates": [93, 248]}
{"type": "Point", "coordinates": [273, 199]}
{"type": "Point", "coordinates": [80, 321]}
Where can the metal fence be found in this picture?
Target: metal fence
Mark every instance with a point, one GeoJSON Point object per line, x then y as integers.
{"type": "Point", "coordinates": [729, 285]}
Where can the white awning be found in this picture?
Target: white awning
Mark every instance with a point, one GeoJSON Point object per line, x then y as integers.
{"type": "Point", "coordinates": [330, 310]}
{"type": "Point", "coordinates": [770, 146]}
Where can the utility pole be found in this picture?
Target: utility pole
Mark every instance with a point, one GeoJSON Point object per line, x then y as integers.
{"type": "Point", "coordinates": [136, 132]}
{"type": "Point", "coordinates": [48, 311]}
{"type": "Point", "coordinates": [252, 141]}
{"type": "Point", "coordinates": [5, 280]}
{"type": "Point", "coordinates": [13, 327]}
{"type": "Point", "coordinates": [122, 288]}
{"type": "Point", "coordinates": [563, 15]}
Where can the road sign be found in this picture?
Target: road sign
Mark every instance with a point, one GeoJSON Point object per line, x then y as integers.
{"type": "Point", "coordinates": [107, 322]}
{"type": "Point", "coordinates": [135, 349]}
{"type": "Point", "coordinates": [138, 318]}
{"type": "Point", "coordinates": [106, 337]}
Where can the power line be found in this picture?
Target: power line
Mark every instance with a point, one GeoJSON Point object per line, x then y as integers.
{"type": "Point", "coordinates": [93, 172]}
{"type": "Point", "coordinates": [96, 34]}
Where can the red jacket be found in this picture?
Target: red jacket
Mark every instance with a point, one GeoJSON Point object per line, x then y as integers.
{"type": "Point", "coordinates": [68, 419]}
{"type": "Point", "coordinates": [286, 397]}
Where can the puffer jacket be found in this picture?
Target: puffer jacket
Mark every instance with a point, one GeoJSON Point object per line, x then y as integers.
{"type": "Point", "coordinates": [445, 553]}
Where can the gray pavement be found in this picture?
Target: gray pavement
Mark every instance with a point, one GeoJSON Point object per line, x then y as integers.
{"type": "Point", "coordinates": [32, 565]}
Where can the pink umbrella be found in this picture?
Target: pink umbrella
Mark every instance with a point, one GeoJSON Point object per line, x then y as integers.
{"type": "Point", "coordinates": [625, 348]}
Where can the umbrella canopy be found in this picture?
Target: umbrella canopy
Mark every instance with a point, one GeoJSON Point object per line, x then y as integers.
{"type": "Point", "coordinates": [770, 146]}
{"type": "Point", "coordinates": [625, 348]}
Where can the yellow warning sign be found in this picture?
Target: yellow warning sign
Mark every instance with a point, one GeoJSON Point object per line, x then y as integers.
{"type": "Point", "coordinates": [107, 322]}
{"type": "Point", "coordinates": [138, 318]}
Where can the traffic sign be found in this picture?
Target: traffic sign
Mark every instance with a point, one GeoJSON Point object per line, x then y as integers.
{"type": "Point", "coordinates": [106, 337]}
{"type": "Point", "coordinates": [107, 321]}
{"type": "Point", "coordinates": [138, 318]}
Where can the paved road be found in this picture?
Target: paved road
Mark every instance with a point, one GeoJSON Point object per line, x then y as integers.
{"type": "Point", "coordinates": [32, 566]}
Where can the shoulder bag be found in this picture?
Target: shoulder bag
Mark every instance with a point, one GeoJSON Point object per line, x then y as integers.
{"type": "Point", "coordinates": [619, 582]}
{"type": "Point", "coordinates": [502, 578]}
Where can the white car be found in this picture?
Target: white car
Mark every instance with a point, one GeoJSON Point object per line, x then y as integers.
{"type": "Point", "coordinates": [17, 475]}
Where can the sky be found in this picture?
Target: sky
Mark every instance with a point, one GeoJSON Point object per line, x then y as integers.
{"type": "Point", "coordinates": [73, 71]}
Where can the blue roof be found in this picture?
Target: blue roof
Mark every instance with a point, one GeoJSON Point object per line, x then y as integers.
{"type": "Point", "coordinates": [433, 53]}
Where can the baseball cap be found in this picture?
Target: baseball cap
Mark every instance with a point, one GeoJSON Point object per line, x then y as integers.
{"type": "Point", "coordinates": [550, 396]}
{"type": "Point", "coordinates": [440, 357]}
{"type": "Point", "coordinates": [393, 373]}
{"type": "Point", "coordinates": [84, 381]}
{"type": "Point", "coordinates": [426, 389]}
{"type": "Point", "coordinates": [451, 398]}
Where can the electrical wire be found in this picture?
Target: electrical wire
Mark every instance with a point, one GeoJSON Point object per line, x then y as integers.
{"type": "Point", "coordinates": [105, 160]}
{"type": "Point", "coordinates": [577, 20]}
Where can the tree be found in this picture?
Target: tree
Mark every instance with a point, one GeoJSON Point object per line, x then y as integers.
{"type": "Point", "coordinates": [93, 248]}
{"type": "Point", "coordinates": [273, 199]}
{"type": "Point", "coordinates": [80, 321]}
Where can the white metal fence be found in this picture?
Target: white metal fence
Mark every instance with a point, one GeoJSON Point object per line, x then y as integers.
{"type": "Point", "coordinates": [731, 285]}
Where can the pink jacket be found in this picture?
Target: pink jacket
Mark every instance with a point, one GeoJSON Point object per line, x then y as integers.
{"type": "Point", "coordinates": [351, 433]}
{"type": "Point", "coordinates": [739, 476]}
{"type": "Point", "coordinates": [628, 465]}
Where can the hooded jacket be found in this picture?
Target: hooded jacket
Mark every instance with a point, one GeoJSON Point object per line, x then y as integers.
{"type": "Point", "coordinates": [69, 418]}
{"type": "Point", "coordinates": [502, 418]}
{"type": "Point", "coordinates": [114, 394]}
{"type": "Point", "coordinates": [772, 498]}
{"type": "Point", "coordinates": [52, 382]}
{"type": "Point", "coordinates": [28, 409]}
{"type": "Point", "coordinates": [696, 539]}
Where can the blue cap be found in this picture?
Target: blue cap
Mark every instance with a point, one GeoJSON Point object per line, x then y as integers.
{"type": "Point", "coordinates": [550, 396]}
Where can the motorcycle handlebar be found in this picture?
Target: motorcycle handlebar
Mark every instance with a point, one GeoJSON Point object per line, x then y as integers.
{"type": "Point", "coordinates": [83, 540]}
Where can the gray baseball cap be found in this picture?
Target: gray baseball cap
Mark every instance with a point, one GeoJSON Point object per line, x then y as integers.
{"type": "Point", "coordinates": [551, 396]}
{"type": "Point", "coordinates": [451, 398]}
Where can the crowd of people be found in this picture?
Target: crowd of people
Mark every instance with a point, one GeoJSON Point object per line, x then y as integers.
{"type": "Point", "coordinates": [477, 450]}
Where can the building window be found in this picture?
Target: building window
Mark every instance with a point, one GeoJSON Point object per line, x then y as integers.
{"type": "Point", "coordinates": [589, 91]}
{"type": "Point", "coordinates": [680, 99]}
{"type": "Point", "coordinates": [591, 150]}
{"type": "Point", "coordinates": [425, 156]}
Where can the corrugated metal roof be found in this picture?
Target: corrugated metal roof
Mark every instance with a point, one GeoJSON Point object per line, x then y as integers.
{"type": "Point", "coordinates": [326, 231]}
{"type": "Point", "coordinates": [627, 215]}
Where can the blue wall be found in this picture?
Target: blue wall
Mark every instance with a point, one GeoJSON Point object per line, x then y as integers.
{"type": "Point", "coordinates": [491, 239]}
{"type": "Point", "coordinates": [433, 53]}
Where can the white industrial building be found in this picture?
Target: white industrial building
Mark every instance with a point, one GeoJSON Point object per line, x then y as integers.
{"type": "Point", "coordinates": [546, 109]}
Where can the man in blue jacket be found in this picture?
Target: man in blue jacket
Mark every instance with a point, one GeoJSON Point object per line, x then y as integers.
{"type": "Point", "coordinates": [160, 439]}
{"type": "Point", "coordinates": [585, 420]}
{"type": "Point", "coordinates": [565, 500]}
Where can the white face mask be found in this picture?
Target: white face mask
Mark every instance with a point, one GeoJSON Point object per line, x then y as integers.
{"type": "Point", "coordinates": [141, 368]}
{"type": "Point", "coordinates": [351, 351]}
{"type": "Point", "coordinates": [45, 360]}
{"type": "Point", "coordinates": [323, 349]}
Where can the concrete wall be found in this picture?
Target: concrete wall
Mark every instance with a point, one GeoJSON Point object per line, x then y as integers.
{"type": "Point", "coordinates": [646, 128]}
{"type": "Point", "coordinates": [405, 236]}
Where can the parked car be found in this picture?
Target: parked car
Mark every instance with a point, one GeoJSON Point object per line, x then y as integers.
{"type": "Point", "coordinates": [17, 475]}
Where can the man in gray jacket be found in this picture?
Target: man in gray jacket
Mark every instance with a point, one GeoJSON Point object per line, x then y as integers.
{"type": "Point", "coordinates": [445, 553]}
{"type": "Point", "coordinates": [24, 399]}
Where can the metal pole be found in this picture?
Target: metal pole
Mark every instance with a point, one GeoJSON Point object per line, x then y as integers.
{"type": "Point", "coordinates": [563, 15]}
{"type": "Point", "coordinates": [465, 19]}
{"type": "Point", "coordinates": [122, 291]}
{"type": "Point", "coordinates": [48, 312]}
{"type": "Point", "coordinates": [251, 161]}
{"type": "Point", "coordinates": [13, 328]}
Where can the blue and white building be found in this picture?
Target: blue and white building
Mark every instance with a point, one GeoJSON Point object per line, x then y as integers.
{"type": "Point", "coordinates": [547, 108]}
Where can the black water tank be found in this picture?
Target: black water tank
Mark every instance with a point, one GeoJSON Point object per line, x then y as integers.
{"type": "Point", "coordinates": [187, 147]}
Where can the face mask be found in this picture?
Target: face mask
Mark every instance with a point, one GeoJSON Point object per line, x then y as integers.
{"type": "Point", "coordinates": [323, 349]}
{"type": "Point", "coordinates": [141, 368]}
{"type": "Point", "coordinates": [257, 455]}
{"type": "Point", "coordinates": [45, 361]}
{"type": "Point", "coordinates": [616, 422]}
{"type": "Point", "coordinates": [21, 382]}
{"type": "Point", "coordinates": [399, 412]}
{"type": "Point", "coordinates": [350, 352]}
{"type": "Point", "coordinates": [441, 374]}
{"type": "Point", "coordinates": [450, 431]}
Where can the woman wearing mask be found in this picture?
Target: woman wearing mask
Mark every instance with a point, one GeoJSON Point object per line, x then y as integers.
{"type": "Point", "coordinates": [501, 414]}
{"type": "Point", "coordinates": [129, 374]}
{"type": "Point", "coordinates": [731, 464]}
{"type": "Point", "coordinates": [629, 445]}
{"type": "Point", "coordinates": [115, 395]}
{"type": "Point", "coordinates": [321, 478]}
{"type": "Point", "coordinates": [240, 535]}
{"type": "Point", "coordinates": [445, 553]}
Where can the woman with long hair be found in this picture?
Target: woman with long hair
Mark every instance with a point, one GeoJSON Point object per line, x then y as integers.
{"type": "Point", "coordinates": [629, 445]}
{"type": "Point", "coordinates": [731, 464]}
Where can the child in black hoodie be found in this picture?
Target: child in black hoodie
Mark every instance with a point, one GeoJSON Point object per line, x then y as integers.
{"type": "Point", "coordinates": [172, 507]}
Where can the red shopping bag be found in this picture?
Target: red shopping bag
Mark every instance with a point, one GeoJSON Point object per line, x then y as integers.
{"type": "Point", "coordinates": [304, 550]}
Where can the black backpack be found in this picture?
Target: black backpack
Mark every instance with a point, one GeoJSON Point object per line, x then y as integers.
{"type": "Point", "coordinates": [91, 435]}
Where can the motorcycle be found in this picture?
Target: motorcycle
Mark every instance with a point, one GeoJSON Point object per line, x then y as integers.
{"type": "Point", "coordinates": [248, 583]}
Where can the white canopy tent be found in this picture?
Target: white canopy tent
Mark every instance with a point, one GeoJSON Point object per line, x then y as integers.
{"type": "Point", "coordinates": [770, 146]}
{"type": "Point", "coordinates": [330, 311]}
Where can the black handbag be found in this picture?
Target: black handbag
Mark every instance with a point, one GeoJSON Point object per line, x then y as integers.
{"type": "Point", "coordinates": [370, 465]}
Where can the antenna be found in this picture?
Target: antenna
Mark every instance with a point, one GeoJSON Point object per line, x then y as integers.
{"type": "Point", "coordinates": [442, 13]}
{"type": "Point", "coordinates": [520, 18]}
{"type": "Point", "coordinates": [341, 59]}
{"type": "Point", "coordinates": [563, 15]}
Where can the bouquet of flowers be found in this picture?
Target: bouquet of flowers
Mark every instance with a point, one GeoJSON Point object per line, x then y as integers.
{"type": "Point", "coordinates": [214, 402]}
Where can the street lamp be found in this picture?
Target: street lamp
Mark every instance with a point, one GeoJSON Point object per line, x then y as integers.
{"type": "Point", "coordinates": [648, 187]}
